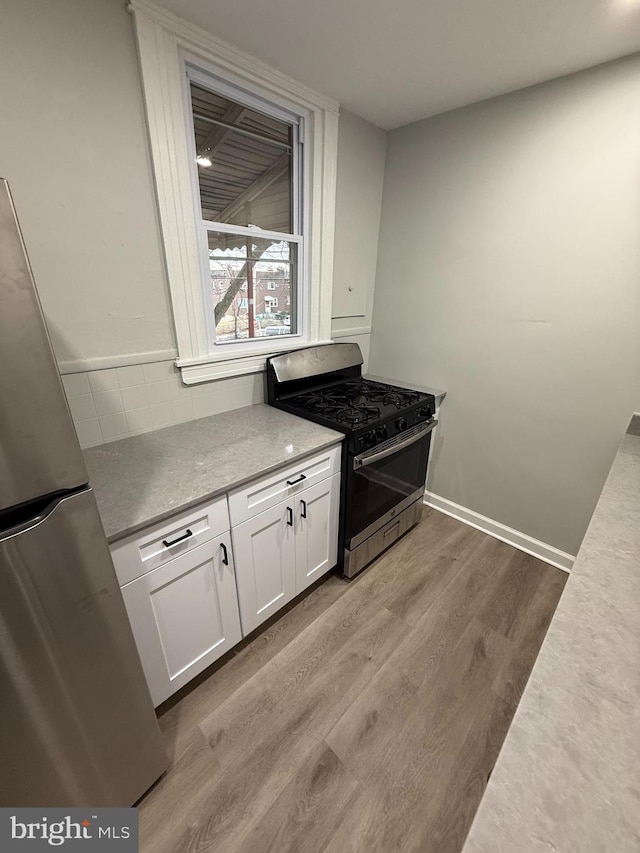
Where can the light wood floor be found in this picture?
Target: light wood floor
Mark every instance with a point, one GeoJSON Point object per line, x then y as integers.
{"type": "Point", "coordinates": [368, 717]}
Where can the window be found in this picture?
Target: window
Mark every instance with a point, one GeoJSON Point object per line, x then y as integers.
{"type": "Point", "coordinates": [244, 164]}
{"type": "Point", "coordinates": [247, 166]}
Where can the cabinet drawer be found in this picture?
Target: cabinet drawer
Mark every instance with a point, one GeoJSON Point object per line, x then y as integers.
{"type": "Point", "coordinates": [266, 492]}
{"type": "Point", "coordinates": [138, 554]}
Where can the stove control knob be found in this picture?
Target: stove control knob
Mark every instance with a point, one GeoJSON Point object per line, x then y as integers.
{"type": "Point", "coordinates": [401, 423]}
{"type": "Point", "coordinates": [367, 440]}
{"type": "Point", "coordinates": [424, 412]}
{"type": "Point", "coordinates": [382, 432]}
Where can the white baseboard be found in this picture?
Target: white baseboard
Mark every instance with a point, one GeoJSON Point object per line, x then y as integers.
{"type": "Point", "coordinates": [544, 552]}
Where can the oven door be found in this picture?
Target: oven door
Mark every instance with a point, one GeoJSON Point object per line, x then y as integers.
{"type": "Point", "coordinates": [385, 480]}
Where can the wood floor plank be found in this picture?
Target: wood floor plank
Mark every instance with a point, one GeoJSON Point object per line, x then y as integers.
{"type": "Point", "coordinates": [305, 695]}
{"type": "Point", "coordinates": [426, 648]}
{"type": "Point", "coordinates": [296, 822]}
{"type": "Point", "coordinates": [401, 779]}
{"type": "Point", "coordinates": [527, 634]}
{"type": "Point", "coordinates": [455, 800]}
{"type": "Point", "coordinates": [372, 720]}
{"type": "Point", "coordinates": [215, 810]}
{"type": "Point", "coordinates": [280, 712]}
{"type": "Point", "coordinates": [429, 571]}
{"type": "Point", "coordinates": [446, 617]}
{"type": "Point", "coordinates": [366, 720]}
{"type": "Point", "coordinates": [435, 533]}
{"type": "Point", "coordinates": [510, 599]}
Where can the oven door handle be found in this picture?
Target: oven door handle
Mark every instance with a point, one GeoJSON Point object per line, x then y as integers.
{"type": "Point", "coordinates": [372, 456]}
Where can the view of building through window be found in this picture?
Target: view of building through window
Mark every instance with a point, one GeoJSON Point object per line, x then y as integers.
{"type": "Point", "coordinates": [253, 286]}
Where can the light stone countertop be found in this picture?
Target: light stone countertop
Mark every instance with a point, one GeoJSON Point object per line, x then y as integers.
{"type": "Point", "coordinates": [438, 393]}
{"type": "Point", "coordinates": [568, 776]}
{"type": "Point", "coordinates": [145, 478]}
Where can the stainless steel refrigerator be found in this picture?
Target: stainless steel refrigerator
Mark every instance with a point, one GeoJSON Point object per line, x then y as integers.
{"type": "Point", "coordinates": [77, 727]}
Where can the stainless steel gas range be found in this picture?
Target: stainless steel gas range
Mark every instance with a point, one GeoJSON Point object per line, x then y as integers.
{"type": "Point", "coordinates": [385, 454]}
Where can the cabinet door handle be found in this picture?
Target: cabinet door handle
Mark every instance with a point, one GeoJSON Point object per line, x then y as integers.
{"type": "Point", "coordinates": [289, 516]}
{"type": "Point", "coordinates": [225, 555]}
{"type": "Point", "coordinates": [168, 544]}
{"type": "Point", "coordinates": [303, 511]}
{"type": "Point", "coordinates": [299, 480]}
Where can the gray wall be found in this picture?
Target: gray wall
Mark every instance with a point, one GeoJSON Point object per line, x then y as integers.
{"type": "Point", "coordinates": [508, 273]}
{"type": "Point", "coordinates": [74, 148]}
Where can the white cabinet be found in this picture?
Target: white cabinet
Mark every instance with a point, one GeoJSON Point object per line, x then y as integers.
{"type": "Point", "coordinates": [317, 531]}
{"type": "Point", "coordinates": [184, 615]}
{"type": "Point", "coordinates": [265, 553]}
{"type": "Point", "coordinates": [187, 602]}
{"type": "Point", "coordinates": [283, 550]}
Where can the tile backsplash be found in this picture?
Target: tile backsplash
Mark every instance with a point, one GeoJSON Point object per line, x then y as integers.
{"type": "Point", "coordinates": [114, 403]}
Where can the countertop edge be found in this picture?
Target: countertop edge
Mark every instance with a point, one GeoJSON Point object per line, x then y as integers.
{"type": "Point", "coordinates": [438, 393]}
{"type": "Point", "coordinates": [113, 538]}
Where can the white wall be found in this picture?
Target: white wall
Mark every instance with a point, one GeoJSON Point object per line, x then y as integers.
{"type": "Point", "coordinates": [74, 148]}
{"type": "Point", "coordinates": [361, 156]}
{"type": "Point", "coordinates": [508, 274]}
{"type": "Point", "coordinates": [117, 402]}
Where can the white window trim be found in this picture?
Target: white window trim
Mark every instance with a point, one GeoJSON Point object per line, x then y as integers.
{"type": "Point", "coordinates": [165, 44]}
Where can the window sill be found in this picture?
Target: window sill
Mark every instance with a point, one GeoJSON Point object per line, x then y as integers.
{"type": "Point", "coordinates": [210, 368]}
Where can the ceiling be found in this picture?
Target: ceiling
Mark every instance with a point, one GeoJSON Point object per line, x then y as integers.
{"type": "Point", "coordinates": [396, 62]}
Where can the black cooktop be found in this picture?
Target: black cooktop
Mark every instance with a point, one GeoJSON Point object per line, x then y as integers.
{"type": "Point", "coordinates": [355, 403]}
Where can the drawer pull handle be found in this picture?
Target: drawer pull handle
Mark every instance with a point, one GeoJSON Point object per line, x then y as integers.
{"type": "Point", "coordinates": [299, 480]}
{"type": "Point", "coordinates": [225, 555]}
{"type": "Point", "coordinates": [303, 511]}
{"type": "Point", "coordinates": [168, 544]}
{"type": "Point", "coordinates": [289, 516]}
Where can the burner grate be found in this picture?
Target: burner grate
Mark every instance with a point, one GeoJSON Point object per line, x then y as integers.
{"type": "Point", "coordinates": [335, 403]}
{"type": "Point", "coordinates": [355, 402]}
{"type": "Point", "coordinates": [375, 392]}
{"type": "Point", "coordinates": [351, 414]}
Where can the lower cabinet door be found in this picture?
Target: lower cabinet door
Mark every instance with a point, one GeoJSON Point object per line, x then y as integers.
{"type": "Point", "coordinates": [264, 548]}
{"type": "Point", "coordinates": [317, 531]}
{"type": "Point", "coordinates": [184, 615]}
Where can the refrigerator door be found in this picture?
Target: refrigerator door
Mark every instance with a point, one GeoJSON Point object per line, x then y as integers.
{"type": "Point", "coordinates": [39, 451]}
{"type": "Point", "coordinates": [78, 727]}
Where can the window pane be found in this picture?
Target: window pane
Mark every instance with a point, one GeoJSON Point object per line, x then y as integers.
{"type": "Point", "coordinates": [244, 163]}
{"type": "Point", "coordinates": [253, 286]}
